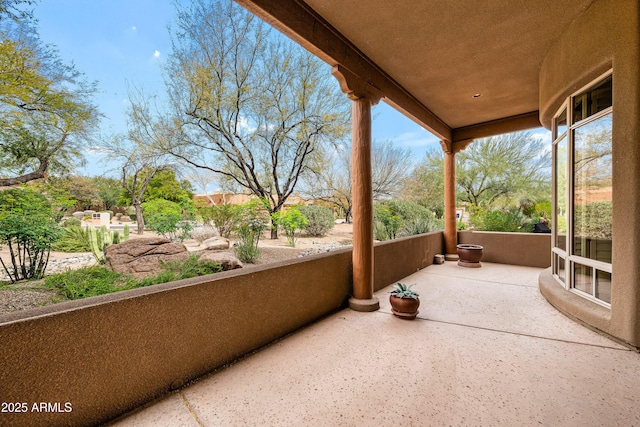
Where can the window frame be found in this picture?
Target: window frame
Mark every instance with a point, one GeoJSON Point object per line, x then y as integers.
{"type": "Point", "coordinates": [558, 254]}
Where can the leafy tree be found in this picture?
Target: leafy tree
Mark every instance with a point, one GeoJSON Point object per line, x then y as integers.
{"type": "Point", "coordinates": [109, 190]}
{"type": "Point", "coordinates": [495, 172]}
{"type": "Point", "coordinates": [252, 106]}
{"type": "Point", "coordinates": [425, 185]}
{"type": "Point", "coordinates": [331, 181]}
{"type": "Point", "coordinates": [46, 114]}
{"type": "Point", "coordinates": [164, 185]}
{"type": "Point", "coordinates": [28, 226]}
{"type": "Point", "coordinates": [80, 189]}
{"type": "Point", "coordinates": [503, 168]}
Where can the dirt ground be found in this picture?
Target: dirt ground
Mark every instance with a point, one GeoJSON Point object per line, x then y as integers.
{"type": "Point", "coordinates": [23, 296]}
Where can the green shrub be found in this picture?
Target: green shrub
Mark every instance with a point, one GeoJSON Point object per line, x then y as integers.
{"type": "Point", "coordinates": [29, 227]}
{"type": "Point", "coordinates": [165, 217]}
{"type": "Point", "coordinates": [319, 219]}
{"type": "Point", "coordinates": [252, 222]}
{"type": "Point", "coordinates": [386, 219]}
{"type": "Point", "coordinates": [73, 239]}
{"type": "Point", "coordinates": [402, 218]}
{"type": "Point", "coordinates": [497, 220]}
{"type": "Point", "coordinates": [92, 281]}
{"type": "Point", "coordinates": [225, 217]}
{"type": "Point", "coordinates": [86, 282]}
{"type": "Point", "coordinates": [291, 221]}
{"type": "Point", "coordinates": [72, 222]}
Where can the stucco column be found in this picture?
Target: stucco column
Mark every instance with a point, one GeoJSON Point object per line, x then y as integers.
{"type": "Point", "coordinates": [450, 221]}
{"type": "Point", "coordinates": [363, 97]}
{"type": "Point", "coordinates": [362, 195]}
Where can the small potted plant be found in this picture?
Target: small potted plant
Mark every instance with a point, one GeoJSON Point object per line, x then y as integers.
{"type": "Point", "coordinates": [404, 301]}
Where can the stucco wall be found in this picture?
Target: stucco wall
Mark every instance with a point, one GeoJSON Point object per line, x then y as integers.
{"type": "Point", "coordinates": [606, 36]}
{"type": "Point", "coordinates": [528, 249]}
{"type": "Point", "coordinates": [107, 355]}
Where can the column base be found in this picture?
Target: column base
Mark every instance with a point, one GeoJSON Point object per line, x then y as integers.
{"type": "Point", "coordinates": [451, 257]}
{"type": "Point", "coordinates": [364, 305]}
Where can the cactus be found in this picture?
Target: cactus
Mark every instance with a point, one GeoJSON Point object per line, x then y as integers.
{"type": "Point", "coordinates": [100, 239]}
{"type": "Point", "coordinates": [126, 232]}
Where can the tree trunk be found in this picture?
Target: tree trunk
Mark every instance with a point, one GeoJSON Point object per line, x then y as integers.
{"type": "Point", "coordinates": [139, 217]}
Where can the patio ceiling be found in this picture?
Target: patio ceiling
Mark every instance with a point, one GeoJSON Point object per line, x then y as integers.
{"type": "Point", "coordinates": [430, 57]}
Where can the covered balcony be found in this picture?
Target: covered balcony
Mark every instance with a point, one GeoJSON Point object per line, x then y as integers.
{"type": "Point", "coordinates": [491, 345]}
{"type": "Point", "coordinates": [486, 349]}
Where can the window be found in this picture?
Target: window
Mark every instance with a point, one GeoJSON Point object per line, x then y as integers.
{"type": "Point", "coordinates": [583, 184]}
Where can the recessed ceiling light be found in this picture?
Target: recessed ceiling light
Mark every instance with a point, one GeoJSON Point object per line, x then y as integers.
{"type": "Point", "coordinates": [477, 95]}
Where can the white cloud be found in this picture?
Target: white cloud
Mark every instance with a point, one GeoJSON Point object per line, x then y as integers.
{"type": "Point", "coordinates": [543, 136]}
{"type": "Point", "coordinates": [156, 54]}
{"type": "Point", "coordinates": [415, 139]}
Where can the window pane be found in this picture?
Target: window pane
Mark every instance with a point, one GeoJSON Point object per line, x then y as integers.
{"type": "Point", "coordinates": [592, 101]}
{"type": "Point", "coordinates": [593, 204]}
{"type": "Point", "coordinates": [559, 267]}
{"type": "Point", "coordinates": [603, 286]}
{"type": "Point", "coordinates": [561, 123]}
{"type": "Point", "coordinates": [560, 214]}
{"type": "Point", "coordinates": [583, 278]}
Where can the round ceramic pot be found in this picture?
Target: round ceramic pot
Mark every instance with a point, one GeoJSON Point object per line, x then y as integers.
{"type": "Point", "coordinates": [405, 308]}
{"type": "Point", "coordinates": [469, 255]}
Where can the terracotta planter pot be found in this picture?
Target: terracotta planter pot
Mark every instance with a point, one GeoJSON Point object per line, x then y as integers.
{"type": "Point", "coordinates": [469, 255]}
{"type": "Point", "coordinates": [404, 308]}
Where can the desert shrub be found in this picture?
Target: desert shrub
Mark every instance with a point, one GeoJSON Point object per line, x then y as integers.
{"type": "Point", "coordinates": [73, 238]}
{"type": "Point", "coordinates": [319, 219]}
{"type": "Point", "coordinates": [225, 217]}
{"type": "Point", "coordinates": [86, 282]}
{"type": "Point", "coordinates": [29, 227]}
{"type": "Point", "coordinates": [75, 222]}
{"type": "Point", "coordinates": [386, 222]}
{"type": "Point", "coordinates": [252, 222]}
{"type": "Point", "coordinates": [402, 218]}
{"type": "Point", "coordinates": [165, 217]}
{"type": "Point", "coordinates": [92, 281]}
{"type": "Point", "coordinates": [291, 221]}
{"type": "Point", "coordinates": [497, 220]}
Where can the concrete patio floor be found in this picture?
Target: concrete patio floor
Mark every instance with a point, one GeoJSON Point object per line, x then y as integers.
{"type": "Point", "coordinates": [486, 349]}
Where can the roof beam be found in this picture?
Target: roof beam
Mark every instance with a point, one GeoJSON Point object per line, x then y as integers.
{"type": "Point", "coordinates": [298, 21]}
{"type": "Point", "coordinates": [497, 127]}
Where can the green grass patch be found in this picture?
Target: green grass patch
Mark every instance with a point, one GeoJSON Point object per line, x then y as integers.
{"type": "Point", "coordinates": [97, 280]}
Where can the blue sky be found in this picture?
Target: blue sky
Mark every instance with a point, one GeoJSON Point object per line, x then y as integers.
{"type": "Point", "coordinates": [124, 42]}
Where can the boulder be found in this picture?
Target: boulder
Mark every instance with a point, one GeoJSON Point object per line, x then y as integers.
{"type": "Point", "coordinates": [215, 244]}
{"type": "Point", "coordinates": [227, 260]}
{"type": "Point", "coordinates": [142, 257]}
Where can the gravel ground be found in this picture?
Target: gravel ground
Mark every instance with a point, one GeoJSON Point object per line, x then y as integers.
{"type": "Point", "coordinates": [23, 296]}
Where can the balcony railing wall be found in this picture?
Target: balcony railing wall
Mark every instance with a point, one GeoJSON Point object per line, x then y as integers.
{"type": "Point", "coordinates": [107, 355]}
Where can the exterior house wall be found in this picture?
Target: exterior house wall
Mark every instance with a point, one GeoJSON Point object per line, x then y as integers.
{"type": "Point", "coordinates": [605, 36]}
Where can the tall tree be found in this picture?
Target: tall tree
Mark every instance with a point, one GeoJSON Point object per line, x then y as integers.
{"type": "Point", "coordinates": [425, 185]}
{"type": "Point", "coordinates": [46, 114]}
{"type": "Point", "coordinates": [504, 168]}
{"type": "Point", "coordinates": [252, 106]}
{"type": "Point", "coordinates": [331, 181]}
{"type": "Point", "coordinates": [499, 171]}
